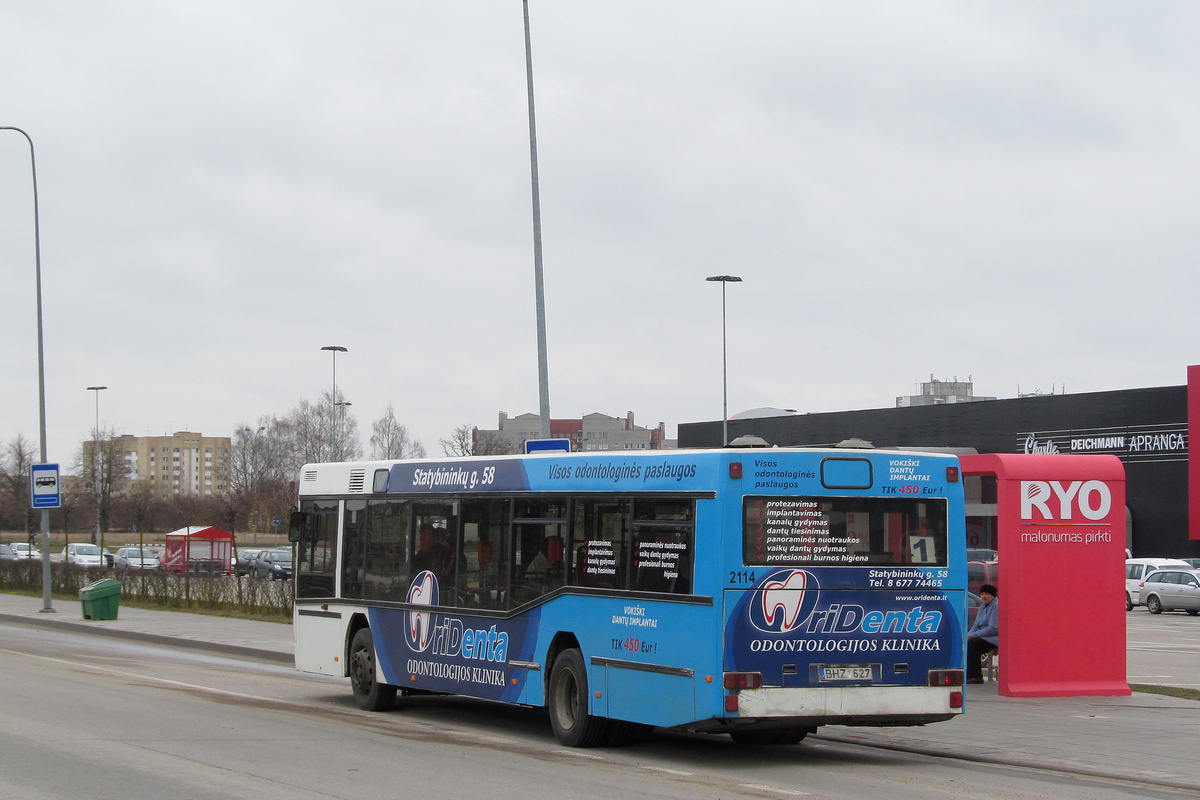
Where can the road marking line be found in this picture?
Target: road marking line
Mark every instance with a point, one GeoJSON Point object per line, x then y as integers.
{"type": "Point", "coordinates": [168, 681]}
{"type": "Point", "coordinates": [762, 787]}
{"type": "Point", "coordinates": [669, 771]}
{"type": "Point", "coordinates": [578, 754]}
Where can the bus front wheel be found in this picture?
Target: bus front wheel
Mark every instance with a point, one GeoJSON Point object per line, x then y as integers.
{"type": "Point", "coordinates": [568, 703]}
{"type": "Point", "coordinates": [370, 694]}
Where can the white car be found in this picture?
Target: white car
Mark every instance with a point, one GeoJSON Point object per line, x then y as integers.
{"type": "Point", "coordinates": [85, 555]}
{"type": "Point", "coordinates": [136, 558]}
{"type": "Point", "coordinates": [1169, 589]}
{"type": "Point", "coordinates": [1136, 570]}
{"type": "Point", "coordinates": [23, 552]}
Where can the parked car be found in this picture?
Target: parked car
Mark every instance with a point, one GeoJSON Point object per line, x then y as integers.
{"type": "Point", "coordinates": [24, 552]}
{"type": "Point", "coordinates": [85, 555]}
{"type": "Point", "coordinates": [135, 558]}
{"type": "Point", "coordinates": [982, 554]}
{"type": "Point", "coordinates": [981, 572]}
{"type": "Point", "coordinates": [109, 558]}
{"type": "Point", "coordinates": [974, 601]}
{"type": "Point", "coordinates": [275, 564]}
{"type": "Point", "coordinates": [1171, 589]}
{"type": "Point", "coordinates": [244, 557]}
{"type": "Point", "coordinates": [1195, 562]}
{"type": "Point", "coordinates": [6, 553]}
{"type": "Point", "coordinates": [1136, 570]}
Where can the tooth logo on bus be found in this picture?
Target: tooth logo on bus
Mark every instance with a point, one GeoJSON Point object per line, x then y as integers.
{"type": "Point", "coordinates": [422, 592]}
{"type": "Point", "coordinates": [785, 601]}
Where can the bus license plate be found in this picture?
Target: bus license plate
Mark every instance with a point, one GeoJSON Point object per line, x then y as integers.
{"type": "Point", "coordinates": [859, 673]}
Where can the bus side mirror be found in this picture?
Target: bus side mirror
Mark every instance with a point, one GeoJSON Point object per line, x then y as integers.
{"type": "Point", "coordinates": [296, 525]}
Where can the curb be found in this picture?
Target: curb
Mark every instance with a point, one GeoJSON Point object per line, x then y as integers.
{"type": "Point", "coordinates": [945, 751]}
{"type": "Point", "coordinates": [153, 638]}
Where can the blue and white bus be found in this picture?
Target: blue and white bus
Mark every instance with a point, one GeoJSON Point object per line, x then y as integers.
{"type": "Point", "coordinates": [758, 593]}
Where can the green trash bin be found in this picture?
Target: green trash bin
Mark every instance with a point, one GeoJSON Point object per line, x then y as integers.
{"type": "Point", "coordinates": [100, 599]}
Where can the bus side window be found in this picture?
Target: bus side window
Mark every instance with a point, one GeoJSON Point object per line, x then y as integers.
{"type": "Point", "coordinates": [354, 535]}
{"type": "Point", "coordinates": [436, 547]}
{"type": "Point", "coordinates": [484, 543]}
{"type": "Point", "coordinates": [385, 574]}
{"type": "Point", "coordinates": [662, 545]}
{"type": "Point", "coordinates": [598, 543]}
{"type": "Point", "coordinates": [316, 556]}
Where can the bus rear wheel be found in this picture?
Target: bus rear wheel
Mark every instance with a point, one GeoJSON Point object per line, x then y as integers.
{"type": "Point", "coordinates": [370, 694]}
{"type": "Point", "coordinates": [568, 703]}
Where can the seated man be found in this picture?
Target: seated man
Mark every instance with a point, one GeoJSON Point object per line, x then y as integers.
{"type": "Point", "coordinates": [984, 636]}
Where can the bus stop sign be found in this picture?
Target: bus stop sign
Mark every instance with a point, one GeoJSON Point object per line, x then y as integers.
{"type": "Point", "coordinates": [542, 445]}
{"type": "Point", "coordinates": [44, 489]}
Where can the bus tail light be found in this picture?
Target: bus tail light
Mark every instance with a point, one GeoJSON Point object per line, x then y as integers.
{"type": "Point", "coordinates": [742, 680]}
{"type": "Point", "coordinates": [945, 677]}
{"type": "Point", "coordinates": [956, 699]}
{"type": "Point", "coordinates": [731, 703]}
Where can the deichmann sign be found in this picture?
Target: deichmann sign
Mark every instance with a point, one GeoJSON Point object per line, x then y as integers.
{"type": "Point", "coordinates": [1168, 442]}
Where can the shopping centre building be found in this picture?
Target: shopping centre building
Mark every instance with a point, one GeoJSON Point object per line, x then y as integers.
{"type": "Point", "coordinates": [1147, 429]}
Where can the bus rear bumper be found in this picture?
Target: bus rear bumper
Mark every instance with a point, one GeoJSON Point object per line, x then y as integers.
{"type": "Point", "coordinates": [851, 705]}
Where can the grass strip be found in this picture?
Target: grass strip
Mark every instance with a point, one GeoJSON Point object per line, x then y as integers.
{"type": "Point", "coordinates": [1169, 691]}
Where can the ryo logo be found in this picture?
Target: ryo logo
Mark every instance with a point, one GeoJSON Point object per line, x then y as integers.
{"type": "Point", "coordinates": [422, 592]}
{"type": "Point", "coordinates": [1054, 501]}
{"type": "Point", "coordinates": [785, 601]}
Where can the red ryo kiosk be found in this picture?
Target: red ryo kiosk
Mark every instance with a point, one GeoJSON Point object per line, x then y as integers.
{"type": "Point", "coordinates": [1060, 532]}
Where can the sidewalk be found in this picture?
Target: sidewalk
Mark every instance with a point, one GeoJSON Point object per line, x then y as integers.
{"type": "Point", "coordinates": [271, 641]}
{"type": "Point", "coordinates": [1144, 737]}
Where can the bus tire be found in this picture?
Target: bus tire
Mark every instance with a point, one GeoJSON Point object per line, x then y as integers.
{"type": "Point", "coordinates": [793, 736]}
{"type": "Point", "coordinates": [621, 733]}
{"type": "Point", "coordinates": [368, 692]}
{"type": "Point", "coordinates": [568, 703]}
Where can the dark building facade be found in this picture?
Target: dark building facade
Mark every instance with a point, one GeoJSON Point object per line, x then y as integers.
{"type": "Point", "coordinates": [1146, 428]}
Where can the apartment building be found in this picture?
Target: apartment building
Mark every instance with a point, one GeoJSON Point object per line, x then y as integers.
{"type": "Point", "coordinates": [591, 432]}
{"type": "Point", "coordinates": [183, 463]}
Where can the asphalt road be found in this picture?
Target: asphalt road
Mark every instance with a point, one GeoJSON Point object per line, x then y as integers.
{"type": "Point", "coordinates": [1162, 649]}
{"type": "Point", "coordinates": [96, 717]}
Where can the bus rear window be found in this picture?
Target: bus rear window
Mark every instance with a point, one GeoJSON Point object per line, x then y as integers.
{"type": "Point", "coordinates": [843, 531]}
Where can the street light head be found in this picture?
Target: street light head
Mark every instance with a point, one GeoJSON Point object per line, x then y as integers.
{"type": "Point", "coordinates": [724, 278]}
{"type": "Point", "coordinates": [336, 347]}
{"type": "Point", "coordinates": [96, 388]}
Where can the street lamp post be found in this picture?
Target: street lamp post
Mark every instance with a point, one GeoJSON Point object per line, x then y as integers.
{"type": "Point", "coordinates": [334, 349]}
{"type": "Point", "coordinates": [37, 261]}
{"type": "Point", "coordinates": [724, 279]}
{"type": "Point", "coordinates": [95, 467]}
{"type": "Point", "coordinates": [341, 419]}
{"type": "Point", "coordinates": [538, 285]}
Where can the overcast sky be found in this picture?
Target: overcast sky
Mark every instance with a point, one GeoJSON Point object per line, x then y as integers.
{"type": "Point", "coordinates": [1000, 190]}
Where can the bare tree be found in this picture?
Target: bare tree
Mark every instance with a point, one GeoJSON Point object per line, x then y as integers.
{"type": "Point", "coordinates": [492, 443]}
{"type": "Point", "coordinates": [459, 442]}
{"type": "Point", "coordinates": [101, 462]}
{"type": "Point", "coordinates": [316, 432]}
{"type": "Point", "coordinates": [391, 440]}
{"type": "Point", "coordinates": [467, 440]}
{"type": "Point", "coordinates": [15, 462]}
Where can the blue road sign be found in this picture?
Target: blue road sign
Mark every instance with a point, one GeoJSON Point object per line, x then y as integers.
{"type": "Point", "coordinates": [44, 490]}
{"type": "Point", "coordinates": [542, 445]}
